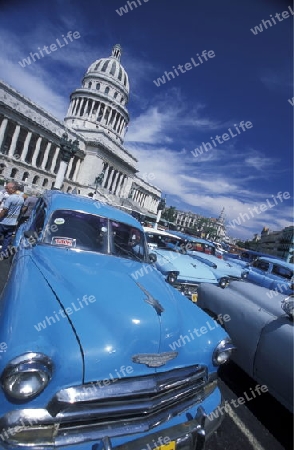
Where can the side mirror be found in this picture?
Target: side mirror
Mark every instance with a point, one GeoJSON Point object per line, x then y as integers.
{"type": "Point", "coordinates": [152, 257]}
{"type": "Point", "coordinates": [31, 236]}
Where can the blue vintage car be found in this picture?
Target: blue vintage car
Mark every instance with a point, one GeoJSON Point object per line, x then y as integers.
{"type": "Point", "coordinates": [178, 268]}
{"type": "Point", "coordinates": [97, 351]}
{"type": "Point", "coordinates": [204, 251]}
{"type": "Point", "coordinates": [261, 326]}
{"type": "Point", "coordinates": [275, 274]}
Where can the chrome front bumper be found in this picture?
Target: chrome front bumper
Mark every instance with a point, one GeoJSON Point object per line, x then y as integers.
{"type": "Point", "coordinates": [191, 435]}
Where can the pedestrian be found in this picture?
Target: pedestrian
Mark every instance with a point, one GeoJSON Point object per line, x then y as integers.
{"type": "Point", "coordinates": [3, 196]}
{"type": "Point", "coordinates": [27, 208]}
{"type": "Point", "coordinates": [9, 215]}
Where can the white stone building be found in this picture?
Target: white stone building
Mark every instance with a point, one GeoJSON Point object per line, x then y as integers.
{"type": "Point", "coordinates": [98, 118]}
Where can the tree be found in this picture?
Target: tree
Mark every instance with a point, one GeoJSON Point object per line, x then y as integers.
{"type": "Point", "coordinates": [169, 214]}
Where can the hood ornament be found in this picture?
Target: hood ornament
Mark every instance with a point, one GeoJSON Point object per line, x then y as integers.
{"type": "Point", "coordinates": [154, 359]}
{"type": "Point", "coordinates": [151, 300]}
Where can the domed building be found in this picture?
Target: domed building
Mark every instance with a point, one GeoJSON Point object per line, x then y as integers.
{"type": "Point", "coordinates": [98, 118]}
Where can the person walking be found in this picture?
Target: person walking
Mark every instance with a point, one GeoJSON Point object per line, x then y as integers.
{"type": "Point", "coordinates": [9, 216]}
{"type": "Point", "coordinates": [27, 208]}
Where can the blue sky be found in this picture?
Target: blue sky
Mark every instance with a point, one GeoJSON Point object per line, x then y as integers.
{"type": "Point", "coordinates": [249, 79]}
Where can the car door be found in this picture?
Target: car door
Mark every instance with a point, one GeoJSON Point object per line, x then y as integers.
{"type": "Point", "coordinates": [258, 273]}
{"type": "Point", "coordinates": [281, 278]}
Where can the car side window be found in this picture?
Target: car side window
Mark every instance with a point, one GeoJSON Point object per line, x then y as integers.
{"type": "Point", "coordinates": [261, 265]}
{"type": "Point", "coordinates": [282, 271]}
{"type": "Point", "coordinates": [39, 217]}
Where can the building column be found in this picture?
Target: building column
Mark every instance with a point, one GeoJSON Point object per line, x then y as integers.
{"type": "Point", "coordinates": [98, 111]}
{"type": "Point", "coordinates": [80, 106]}
{"type": "Point", "coordinates": [53, 164]}
{"type": "Point", "coordinates": [121, 186]}
{"type": "Point", "coordinates": [14, 140]}
{"type": "Point", "coordinates": [46, 154]}
{"type": "Point", "coordinates": [26, 146]}
{"type": "Point", "coordinates": [105, 175]}
{"type": "Point", "coordinates": [37, 149]}
{"type": "Point", "coordinates": [74, 178]}
{"type": "Point", "coordinates": [3, 129]}
{"type": "Point", "coordinates": [114, 182]}
{"type": "Point", "coordinates": [110, 178]}
{"type": "Point", "coordinates": [69, 168]}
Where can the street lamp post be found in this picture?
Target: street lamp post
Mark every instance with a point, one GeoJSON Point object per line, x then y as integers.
{"type": "Point", "coordinates": [67, 150]}
{"type": "Point", "coordinates": [160, 208]}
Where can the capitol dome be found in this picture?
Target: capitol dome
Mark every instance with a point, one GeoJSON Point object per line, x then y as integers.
{"type": "Point", "coordinates": [110, 68]}
{"type": "Point", "coordinates": [99, 105]}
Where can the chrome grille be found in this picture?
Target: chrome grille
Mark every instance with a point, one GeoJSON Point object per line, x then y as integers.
{"type": "Point", "coordinates": [126, 406]}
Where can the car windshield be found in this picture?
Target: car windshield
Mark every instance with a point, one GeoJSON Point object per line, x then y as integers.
{"type": "Point", "coordinates": [80, 230]}
{"type": "Point", "coordinates": [162, 241]}
{"type": "Point", "coordinates": [201, 247]}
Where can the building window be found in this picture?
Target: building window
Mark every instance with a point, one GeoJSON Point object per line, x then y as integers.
{"type": "Point", "coordinates": [97, 86]}
{"type": "Point", "coordinates": [120, 74]}
{"type": "Point", "coordinates": [13, 173]}
{"type": "Point", "coordinates": [36, 179]}
{"type": "Point", "coordinates": [112, 71]}
{"type": "Point", "coordinates": [25, 176]}
{"type": "Point", "coordinates": [106, 90]}
{"type": "Point", "coordinates": [45, 182]}
{"type": "Point", "coordinates": [90, 85]}
{"type": "Point", "coordinates": [105, 65]}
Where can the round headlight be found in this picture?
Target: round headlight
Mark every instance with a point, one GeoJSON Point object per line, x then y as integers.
{"type": "Point", "coordinates": [222, 352]}
{"type": "Point", "coordinates": [26, 376]}
{"type": "Point", "coordinates": [172, 277]}
{"type": "Point", "coordinates": [224, 282]}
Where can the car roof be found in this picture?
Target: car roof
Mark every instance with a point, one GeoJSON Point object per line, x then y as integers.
{"type": "Point", "coordinates": [195, 239]}
{"type": "Point", "coordinates": [60, 200]}
{"type": "Point", "coordinates": [155, 231]}
{"type": "Point", "coordinates": [276, 261]}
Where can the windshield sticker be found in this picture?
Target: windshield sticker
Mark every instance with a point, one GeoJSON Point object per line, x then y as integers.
{"type": "Point", "coordinates": [68, 242]}
{"type": "Point", "coordinates": [59, 221]}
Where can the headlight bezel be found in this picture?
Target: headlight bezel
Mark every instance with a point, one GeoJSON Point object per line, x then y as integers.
{"type": "Point", "coordinates": [224, 282]}
{"type": "Point", "coordinates": [172, 276]}
{"type": "Point", "coordinates": [36, 364]}
{"type": "Point", "coordinates": [224, 346]}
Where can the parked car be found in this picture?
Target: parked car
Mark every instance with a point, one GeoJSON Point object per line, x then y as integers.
{"type": "Point", "coordinates": [246, 257]}
{"type": "Point", "coordinates": [205, 251]}
{"type": "Point", "coordinates": [261, 327]}
{"type": "Point", "coordinates": [274, 274]}
{"type": "Point", "coordinates": [179, 269]}
{"type": "Point", "coordinates": [90, 356]}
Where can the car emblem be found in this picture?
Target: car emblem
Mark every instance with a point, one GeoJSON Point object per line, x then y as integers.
{"type": "Point", "coordinates": [154, 359]}
{"type": "Point", "coordinates": [151, 300]}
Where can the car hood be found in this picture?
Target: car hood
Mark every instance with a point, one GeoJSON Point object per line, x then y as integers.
{"type": "Point", "coordinates": [189, 269]}
{"type": "Point", "coordinates": [223, 266]}
{"type": "Point", "coordinates": [121, 309]}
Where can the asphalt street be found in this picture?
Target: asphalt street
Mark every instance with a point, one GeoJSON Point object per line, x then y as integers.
{"type": "Point", "coordinates": [259, 424]}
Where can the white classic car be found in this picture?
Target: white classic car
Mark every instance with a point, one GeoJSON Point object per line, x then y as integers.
{"type": "Point", "coordinates": [261, 327]}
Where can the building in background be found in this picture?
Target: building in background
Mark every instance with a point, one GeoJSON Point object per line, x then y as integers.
{"type": "Point", "coordinates": [278, 243]}
{"type": "Point", "coordinates": [204, 227]}
{"type": "Point", "coordinates": [98, 118]}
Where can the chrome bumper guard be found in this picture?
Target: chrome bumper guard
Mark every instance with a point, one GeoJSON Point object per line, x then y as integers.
{"type": "Point", "coordinates": [190, 435]}
{"type": "Point", "coordinates": [187, 289]}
